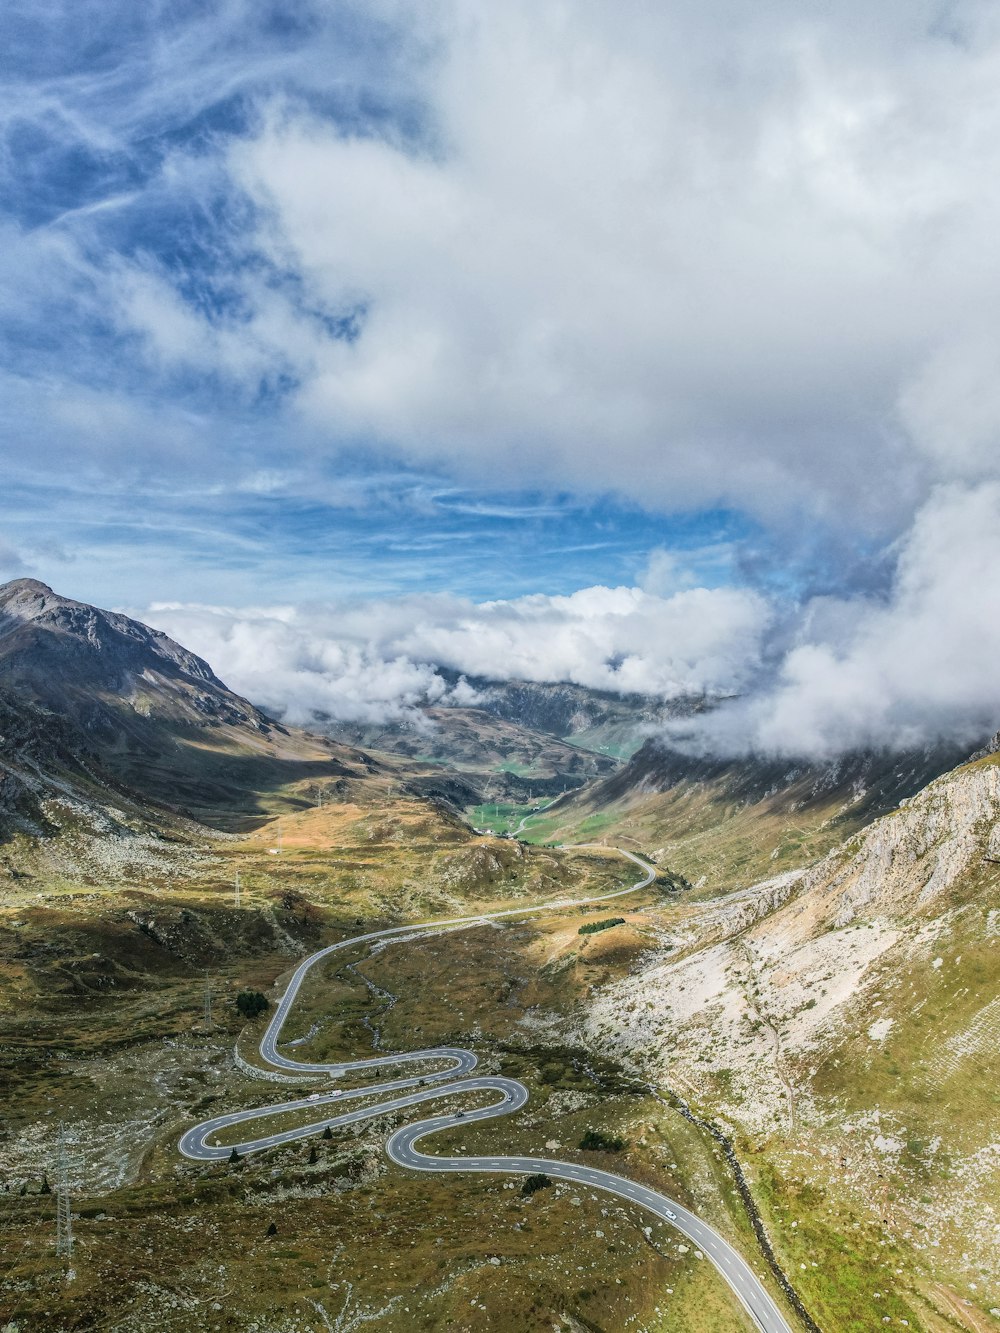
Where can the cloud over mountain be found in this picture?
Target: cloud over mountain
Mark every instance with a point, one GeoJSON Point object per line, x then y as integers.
{"type": "Point", "coordinates": [694, 260]}
{"type": "Point", "coordinates": [376, 660]}
{"type": "Point", "coordinates": [908, 669]}
{"type": "Point", "coordinates": [913, 668]}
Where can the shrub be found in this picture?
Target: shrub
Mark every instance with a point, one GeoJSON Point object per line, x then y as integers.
{"type": "Point", "coordinates": [592, 927]}
{"type": "Point", "coordinates": [535, 1183]}
{"type": "Point", "coordinates": [251, 1003]}
{"type": "Point", "coordinates": [595, 1140]}
{"type": "Point", "coordinates": [672, 881]}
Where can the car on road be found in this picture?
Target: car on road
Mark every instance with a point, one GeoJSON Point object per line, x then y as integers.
{"type": "Point", "coordinates": [668, 1213]}
{"type": "Point", "coordinates": [313, 1097]}
{"type": "Point", "coordinates": [459, 1115]}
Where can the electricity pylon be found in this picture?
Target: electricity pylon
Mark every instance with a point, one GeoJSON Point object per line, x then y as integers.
{"type": "Point", "coordinates": [64, 1214]}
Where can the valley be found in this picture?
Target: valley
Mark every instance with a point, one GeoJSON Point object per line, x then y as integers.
{"type": "Point", "coordinates": [793, 1026]}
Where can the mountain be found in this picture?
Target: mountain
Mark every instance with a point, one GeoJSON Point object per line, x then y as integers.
{"type": "Point", "coordinates": [519, 740]}
{"type": "Point", "coordinates": [153, 716]}
{"type": "Point", "coordinates": [723, 823]}
{"type": "Point", "coordinates": [491, 755]}
{"type": "Point", "coordinates": [841, 1021]}
{"type": "Point", "coordinates": [103, 669]}
{"type": "Point", "coordinates": [598, 720]}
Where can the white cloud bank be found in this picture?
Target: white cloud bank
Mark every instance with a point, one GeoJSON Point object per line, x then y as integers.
{"type": "Point", "coordinates": [375, 661]}
{"type": "Point", "coordinates": [698, 255]}
{"type": "Point", "coordinates": [922, 666]}
{"type": "Point", "coordinates": [919, 666]}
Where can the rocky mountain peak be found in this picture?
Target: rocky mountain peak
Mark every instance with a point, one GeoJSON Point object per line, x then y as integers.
{"type": "Point", "coordinates": [39, 627]}
{"type": "Point", "coordinates": [26, 587]}
{"type": "Point", "coordinates": [109, 673]}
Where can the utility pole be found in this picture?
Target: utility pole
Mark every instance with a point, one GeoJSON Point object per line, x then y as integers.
{"type": "Point", "coordinates": [64, 1214]}
{"type": "Point", "coordinates": [208, 1002]}
{"type": "Point", "coordinates": [237, 891]}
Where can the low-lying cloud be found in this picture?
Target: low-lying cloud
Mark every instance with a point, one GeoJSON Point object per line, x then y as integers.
{"type": "Point", "coordinates": [377, 661]}
{"type": "Point", "coordinates": [915, 667]}
{"type": "Point", "coordinates": [918, 667]}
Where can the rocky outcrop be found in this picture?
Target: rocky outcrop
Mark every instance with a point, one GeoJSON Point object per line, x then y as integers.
{"type": "Point", "coordinates": [906, 861]}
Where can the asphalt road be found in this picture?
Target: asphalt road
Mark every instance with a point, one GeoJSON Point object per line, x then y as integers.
{"type": "Point", "coordinates": [453, 1073]}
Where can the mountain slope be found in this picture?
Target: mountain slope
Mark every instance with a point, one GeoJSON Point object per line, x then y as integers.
{"type": "Point", "coordinates": [597, 720]}
{"type": "Point", "coordinates": [156, 716]}
{"type": "Point", "coordinates": [87, 662]}
{"type": "Point", "coordinates": [502, 757]}
{"type": "Point", "coordinates": [843, 1020]}
{"type": "Point", "coordinates": [728, 822]}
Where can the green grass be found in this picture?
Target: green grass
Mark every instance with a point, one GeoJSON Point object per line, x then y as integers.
{"type": "Point", "coordinates": [555, 829]}
{"type": "Point", "coordinates": [622, 749]}
{"type": "Point", "coordinates": [500, 816]}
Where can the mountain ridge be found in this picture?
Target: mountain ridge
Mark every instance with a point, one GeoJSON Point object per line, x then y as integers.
{"type": "Point", "coordinates": [164, 730]}
{"type": "Point", "coordinates": [53, 647]}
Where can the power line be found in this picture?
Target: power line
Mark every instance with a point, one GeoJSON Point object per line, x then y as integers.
{"type": "Point", "coordinates": [208, 1002]}
{"type": "Point", "coordinates": [237, 892]}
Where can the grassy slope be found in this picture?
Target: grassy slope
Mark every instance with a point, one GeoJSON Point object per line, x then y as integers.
{"type": "Point", "coordinates": [101, 1027]}
{"type": "Point", "coordinates": [103, 996]}
{"type": "Point", "coordinates": [850, 1039]}
{"type": "Point", "coordinates": [701, 833]}
{"type": "Point", "coordinates": [728, 825]}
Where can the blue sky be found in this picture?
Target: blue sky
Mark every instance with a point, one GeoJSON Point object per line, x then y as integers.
{"type": "Point", "coordinates": [133, 476]}
{"type": "Point", "coordinates": [329, 301]}
{"type": "Point", "coordinates": [113, 142]}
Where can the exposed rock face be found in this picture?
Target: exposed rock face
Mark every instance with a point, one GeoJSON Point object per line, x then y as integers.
{"type": "Point", "coordinates": [88, 663]}
{"type": "Point", "coordinates": [865, 979]}
{"type": "Point", "coordinates": [992, 746]}
{"type": "Point", "coordinates": [904, 862]}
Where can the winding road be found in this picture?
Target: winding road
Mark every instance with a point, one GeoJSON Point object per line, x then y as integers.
{"type": "Point", "coordinates": [456, 1076]}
